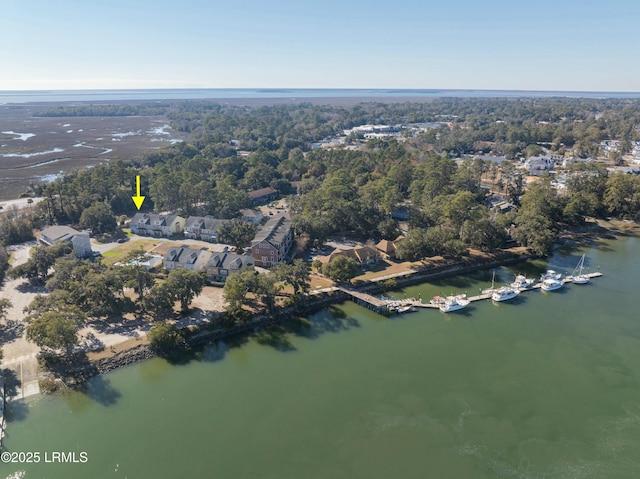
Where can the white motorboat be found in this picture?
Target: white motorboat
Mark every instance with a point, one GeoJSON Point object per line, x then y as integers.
{"type": "Point", "coordinates": [577, 276]}
{"type": "Point", "coordinates": [551, 274]}
{"type": "Point", "coordinates": [551, 284]}
{"type": "Point", "coordinates": [522, 282]}
{"type": "Point", "coordinates": [504, 294]}
{"type": "Point", "coordinates": [454, 303]}
{"type": "Point", "coordinates": [405, 309]}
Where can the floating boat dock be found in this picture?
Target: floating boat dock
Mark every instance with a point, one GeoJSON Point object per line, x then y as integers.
{"type": "Point", "coordinates": [382, 306]}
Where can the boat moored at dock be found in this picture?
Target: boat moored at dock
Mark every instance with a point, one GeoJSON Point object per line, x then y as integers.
{"type": "Point", "coordinates": [577, 276]}
{"type": "Point", "coordinates": [437, 300]}
{"type": "Point", "coordinates": [550, 284]}
{"type": "Point", "coordinates": [504, 293]}
{"type": "Point", "coordinates": [522, 282]}
{"type": "Point", "coordinates": [551, 274]}
{"type": "Point", "coordinates": [451, 303]}
{"type": "Point", "coordinates": [454, 303]}
{"type": "Point", "coordinates": [405, 309]}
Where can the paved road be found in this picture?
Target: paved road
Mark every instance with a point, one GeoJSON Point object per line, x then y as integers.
{"type": "Point", "coordinates": [19, 354]}
{"type": "Point", "coordinates": [19, 203]}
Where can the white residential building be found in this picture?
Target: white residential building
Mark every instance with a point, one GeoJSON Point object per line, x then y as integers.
{"type": "Point", "coordinates": [79, 240]}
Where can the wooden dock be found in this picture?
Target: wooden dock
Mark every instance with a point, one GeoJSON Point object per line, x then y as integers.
{"type": "Point", "coordinates": [378, 305]}
{"type": "Point", "coordinates": [480, 297]}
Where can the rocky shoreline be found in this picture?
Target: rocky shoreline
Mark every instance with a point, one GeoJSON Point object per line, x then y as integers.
{"type": "Point", "coordinates": [124, 358]}
{"type": "Point", "coordinates": [322, 300]}
{"type": "Point", "coordinates": [73, 373]}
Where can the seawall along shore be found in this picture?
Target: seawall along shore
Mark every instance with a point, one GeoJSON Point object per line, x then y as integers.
{"type": "Point", "coordinates": [76, 373]}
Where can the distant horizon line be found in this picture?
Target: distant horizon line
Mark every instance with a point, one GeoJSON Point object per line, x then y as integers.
{"type": "Point", "coordinates": [285, 89]}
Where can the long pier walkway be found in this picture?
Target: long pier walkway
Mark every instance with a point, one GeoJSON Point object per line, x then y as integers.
{"type": "Point", "coordinates": [382, 305]}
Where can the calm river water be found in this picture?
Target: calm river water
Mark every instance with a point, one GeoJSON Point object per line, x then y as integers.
{"type": "Point", "coordinates": [547, 386]}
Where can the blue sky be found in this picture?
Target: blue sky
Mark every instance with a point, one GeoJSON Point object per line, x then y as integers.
{"type": "Point", "coordinates": [491, 44]}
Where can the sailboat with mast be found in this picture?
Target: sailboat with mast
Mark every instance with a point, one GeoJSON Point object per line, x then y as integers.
{"type": "Point", "coordinates": [578, 277]}
{"type": "Point", "coordinates": [492, 288]}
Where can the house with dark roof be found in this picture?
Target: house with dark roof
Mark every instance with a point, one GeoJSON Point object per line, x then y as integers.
{"type": "Point", "coordinates": [252, 215]}
{"type": "Point", "coordinates": [364, 255]}
{"type": "Point", "coordinates": [203, 228]}
{"type": "Point", "coordinates": [272, 242]}
{"type": "Point", "coordinates": [263, 195]}
{"type": "Point", "coordinates": [217, 266]}
{"type": "Point", "coordinates": [537, 165]}
{"type": "Point", "coordinates": [151, 224]}
{"type": "Point", "coordinates": [188, 258]}
{"type": "Point", "coordinates": [221, 265]}
{"type": "Point", "coordinates": [79, 240]}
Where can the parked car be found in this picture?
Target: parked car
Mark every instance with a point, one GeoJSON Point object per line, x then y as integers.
{"type": "Point", "coordinates": [122, 240]}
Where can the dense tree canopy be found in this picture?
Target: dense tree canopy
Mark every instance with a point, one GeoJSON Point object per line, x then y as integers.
{"type": "Point", "coordinates": [40, 262]}
{"type": "Point", "coordinates": [342, 269]}
{"type": "Point", "coordinates": [53, 330]}
{"type": "Point", "coordinates": [355, 191]}
{"type": "Point", "coordinates": [99, 219]}
{"type": "Point", "coordinates": [4, 262]}
{"type": "Point", "coordinates": [5, 304]}
{"type": "Point", "coordinates": [183, 285]}
{"type": "Point", "coordinates": [430, 183]}
{"type": "Point", "coordinates": [237, 232]}
{"type": "Point", "coordinates": [296, 274]}
{"type": "Point", "coordinates": [164, 336]}
{"type": "Point", "coordinates": [16, 229]}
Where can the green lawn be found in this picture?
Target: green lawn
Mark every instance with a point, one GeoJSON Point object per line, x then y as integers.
{"type": "Point", "coordinates": [120, 252]}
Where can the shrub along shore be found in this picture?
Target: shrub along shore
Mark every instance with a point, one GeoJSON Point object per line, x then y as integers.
{"type": "Point", "coordinates": [77, 369]}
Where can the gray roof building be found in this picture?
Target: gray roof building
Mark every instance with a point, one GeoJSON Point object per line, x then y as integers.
{"type": "Point", "coordinates": [184, 257]}
{"type": "Point", "coordinates": [275, 231]}
{"type": "Point", "coordinates": [79, 240]}
{"type": "Point", "coordinates": [272, 241]}
{"type": "Point", "coordinates": [203, 227]}
{"type": "Point", "coordinates": [152, 224]}
{"type": "Point", "coordinates": [536, 165]}
{"type": "Point", "coordinates": [221, 265]}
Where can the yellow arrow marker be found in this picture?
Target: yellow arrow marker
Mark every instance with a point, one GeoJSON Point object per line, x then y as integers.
{"type": "Point", "coordinates": [138, 200]}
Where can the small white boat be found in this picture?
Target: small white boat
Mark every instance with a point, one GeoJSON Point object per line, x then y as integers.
{"type": "Point", "coordinates": [577, 277]}
{"type": "Point", "coordinates": [550, 284]}
{"type": "Point", "coordinates": [504, 294]}
{"type": "Point", "coordinates": [551, 274]}
{"type": "Point", "coordinates": [522, 282]}
{"type": "Point", "coordinates": [405, 309]}
{"type": "Point", "coordinates": [454, 303]}
{"type": "Point", "coordinates": [581, 279]}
